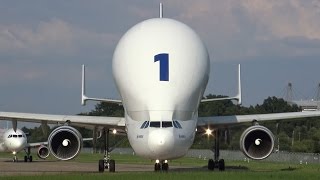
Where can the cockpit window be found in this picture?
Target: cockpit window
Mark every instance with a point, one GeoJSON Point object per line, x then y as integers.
{"type": "Point", "coordinates": [155, 124]}
{"type": "Point", "coordinates": [166, 124]}
{"type": "Point", "coordinates": [177, 125]}
{"type": "Point", "coordinates": [145, 125]}
{"type": "Point", "coordinates": [10, 136]}
{"type": "Point", "coordinates": [158, 124]}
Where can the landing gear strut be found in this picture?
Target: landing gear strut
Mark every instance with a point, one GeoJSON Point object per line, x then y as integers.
{"type": "Point", "coordinates": [161, 166]}
{"type": "Point", "coordinates": [216, 163]}
{"type": "Point", "coordinates": [15, 159]}
{"type": "Point", "coordinates": [28, 156]}
{"type": "Point", "coordinates": [106, 162]}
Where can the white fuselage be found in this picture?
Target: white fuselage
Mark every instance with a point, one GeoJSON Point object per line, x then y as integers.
{"type": "Point", "coordinates": [161, 69]}
{"type": "Point", "coordinates": [12, 141]}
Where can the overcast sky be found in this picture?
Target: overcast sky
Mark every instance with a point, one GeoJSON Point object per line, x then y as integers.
{"type": "Point", "coordinates": [43, 44]}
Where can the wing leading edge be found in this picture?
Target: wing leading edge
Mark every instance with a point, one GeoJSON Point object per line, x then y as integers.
{"type": "Point", "coordinates": [77, 120]}
{"type": "Point", "coordinates": [231, 120]}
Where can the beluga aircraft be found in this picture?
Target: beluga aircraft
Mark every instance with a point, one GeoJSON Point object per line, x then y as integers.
{"type": "Point", "coordinates": [161, 68]}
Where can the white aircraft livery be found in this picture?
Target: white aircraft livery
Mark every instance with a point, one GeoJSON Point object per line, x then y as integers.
{"type": "Point", "coordinates": [15, 141]}
{"type": "Point", "coordinates": [161, 69]}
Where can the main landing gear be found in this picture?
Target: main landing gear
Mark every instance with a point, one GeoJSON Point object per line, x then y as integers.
{"type": "Point", "coordinates": [106, 162]}
{"type": "Point", "coordinates": [216, 163]}
{"type": "Point", "coordinates": [161, 166]}
{"type": "Point", "coordinates": [27, 157]}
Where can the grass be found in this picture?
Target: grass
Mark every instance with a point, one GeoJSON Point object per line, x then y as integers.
{"type": "Point", "coordinates": [235, 170]}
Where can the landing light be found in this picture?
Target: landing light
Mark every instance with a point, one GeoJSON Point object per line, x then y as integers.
{"type": "Point", "coordinates": [157, 161]}
{"type": "Point", "coordinates": [114, 131]}
{"type": "Point", "coordinates": [209, 132]}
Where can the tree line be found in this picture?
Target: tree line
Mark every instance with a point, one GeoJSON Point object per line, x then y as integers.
{"type": "Point", "coordinates": [300, 135]}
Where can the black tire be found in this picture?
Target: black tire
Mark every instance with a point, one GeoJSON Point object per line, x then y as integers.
{"type": "Point", "coordinates": [101, 165]}
{"type": "Point", "coordinates": [165, 167]}
{"type": "Point", "coordinates": [25, 159]}
{"type": "Point", "coordinates": [30, 158]}
{"type": "Point", "coordinates": [112, 166]}
{"type": "Point", "coordinates": [157, 167]}
{"type": "Point", "coordinates": [211, 164]}
{"type": "Point", "coordinates": [221, 165]}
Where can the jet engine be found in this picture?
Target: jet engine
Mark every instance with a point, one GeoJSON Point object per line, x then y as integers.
{"type": "Point", "coordinates": [65, 142]}
{"type": "Point", "coordinates": [257, 142]}
{"type": "Point", "coordinates": [43, 152]}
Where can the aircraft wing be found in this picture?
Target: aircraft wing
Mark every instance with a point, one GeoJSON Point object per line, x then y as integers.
{"type": "Point", "coordinates": [37, 144]}
{"type": "Point", "coordinates": [231, 120]}
{"type": "Point", "coordinates": [76, 120]}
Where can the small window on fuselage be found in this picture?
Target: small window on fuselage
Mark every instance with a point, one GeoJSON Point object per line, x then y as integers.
{"type": "Point", "coordinates": [10, 136]}
{"type": "Point", "coordinates": [20, 135]}
{"type": "Point", "coordinates": [155, 124]}
{"type": "Point", "coordinates": [166, 124]}
{"type": "Point", "coordinates": [15, 135]}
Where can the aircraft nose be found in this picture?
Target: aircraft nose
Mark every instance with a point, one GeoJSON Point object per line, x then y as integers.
{"type": "Point", "coordinates": [161, 142]}
{"type": "Point", "coordinates": [17, 144]}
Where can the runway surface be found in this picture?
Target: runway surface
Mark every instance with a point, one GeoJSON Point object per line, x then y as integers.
{"type": "Point", "coordinates": [63, 167]}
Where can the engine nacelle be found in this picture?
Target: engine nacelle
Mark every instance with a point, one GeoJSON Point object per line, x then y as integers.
{"type": "Point", "coordinates": [65, 142]}
{"type": "Point", "coordinates": [257, 142]}
{"type": "Point", "coordinates": [43, 152]}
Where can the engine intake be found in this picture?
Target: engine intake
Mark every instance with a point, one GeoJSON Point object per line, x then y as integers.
{"type": "Point", "coordinates": [43, 152]}
{"type": "Point", "coordinates": [257, 142]}
{"type": "Point", "coordinates": [65, 142]}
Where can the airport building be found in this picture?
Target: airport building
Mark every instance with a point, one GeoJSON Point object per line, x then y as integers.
{"type": "Point", "coordinates": [305, 105]}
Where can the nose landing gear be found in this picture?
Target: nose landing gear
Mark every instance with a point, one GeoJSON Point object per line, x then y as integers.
{"type": "Point", "coordinates": [15, 159]}
{"type": "Point", "coordinates": [161, 166]}
{"type": "Point", "coordinates": [106, 162]}
{"type": "Point", "coordinates": [216, 163]}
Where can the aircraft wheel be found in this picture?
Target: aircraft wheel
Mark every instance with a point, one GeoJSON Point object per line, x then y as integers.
{"type": "Point", "coordinates": [211, 164]}
{"type": "Point", "coordinates": [157, 167]}
{"type": "Point", "coordinates": [221, 165]}
{"type": "Point", "coordinates": [165, 167]}
{"type": "Point", "coordinates": [112, 166]}
{"type": "Point", "coordinates": [101, 165]}
{"type": "Point", "coordinates": [25, 159]}
{"type": "Point", "coordinates": [30, 158]}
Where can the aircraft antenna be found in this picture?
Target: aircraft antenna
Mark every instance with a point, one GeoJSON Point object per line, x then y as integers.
{"type": "Point", "coordinates": [289, 93]}
{"type": "Point", "coordinates": [160, 10]}
{"type": "Point", "coordinates": [318, 93]}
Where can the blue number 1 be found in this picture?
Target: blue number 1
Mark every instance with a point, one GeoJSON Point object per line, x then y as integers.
{"type": "Point", "coordinates": [164, 65]}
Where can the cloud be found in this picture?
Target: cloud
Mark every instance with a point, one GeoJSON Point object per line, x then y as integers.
{"type": "Point", "coordinates": [286, 18]}
{"type": "Point", "coordinates": [55, 37]}
{"type": "Point", "coordinates": [52, 51]}
{"type": "Point", "coordinates": [249, 29]}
